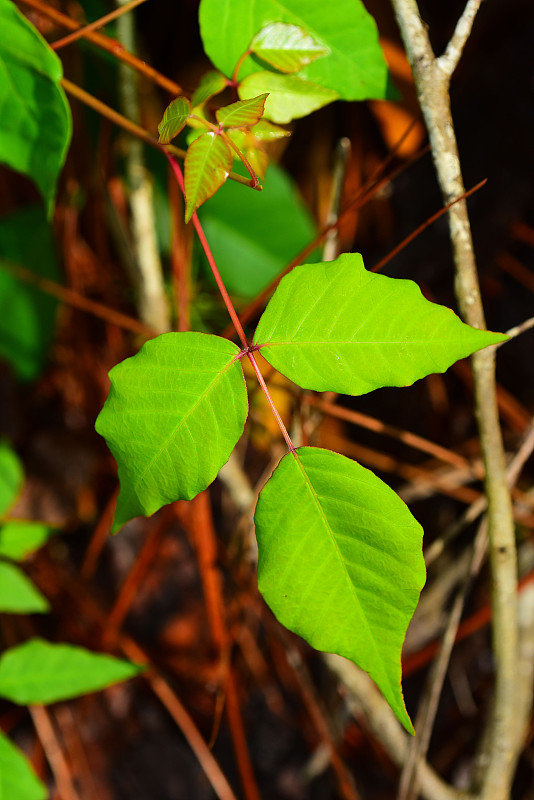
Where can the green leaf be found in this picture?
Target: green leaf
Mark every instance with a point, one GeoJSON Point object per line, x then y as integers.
{"type": "Point", "coordinates": [173, 416]}
{"type": "Point", "coordinates": [20, 537]}
{"type": "Point", "coordinates": [212, 83]}
{"type": "Point", "coordinates": [244, 113]}
{"type": "Point", "coordinates": [18, 595]}
{"type": "Point", "coordinates": [289, 97]}
{"type": "Point", "coordinates": [38, 672]}
{"type": "Point", "coordinates": [36, 122]}
{"type": "Point", "coordinates": [251, 149]}
{"type": "Point", "coordinates": [340, 562]}
{"type": "Point", "coordinates": [234, 222]}
{"type": "Point", "coordinates": [336, 327]}
{"type": "Point", "coordinates": [355, 67]}
{"type": "Point", "coordinates": [176, 115]}
{"type": "Point", "coordinates": [207, 165]}
{"type": "Point", "coordinates": [265, 131]}
{"type": "Point", "coordinates": [17, 778]}
{"type": "Point", "coordinates": [27, 314]}
{"type": "Point", "coordinates": [11, 477]}
{"type": "Point", "coordinates": [287, 47]}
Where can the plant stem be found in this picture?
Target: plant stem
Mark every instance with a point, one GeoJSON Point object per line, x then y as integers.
{"type": "Point", "coordinates": [432, 78]}
{"type": "Point", "coordinates": [238, 66]}
{"type": "Point", "coordinates": [217, 129]}
{"type": "Point", "coordinates": [98, 23]}
{"type": "Point", "coordinates": [270, 400]}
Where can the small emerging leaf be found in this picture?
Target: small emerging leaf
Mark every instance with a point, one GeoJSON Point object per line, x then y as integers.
{"type": "Point", "coordinates": [340, 562]}
{"type": "Point", "coordinates": [336, 327]}
{"type": "Point", "coordinates": [244, 113]}
{"type": "Point", "coordinates": [11, 477]}
{"type": "Point", "coordinates": [173, 416]}
{"type": "Point", "coordinates": [287, 47]}
{"type": "Point", "coordinates": [248, 145]}
{"type": "Point", "coordinates": [212, 83]}
{"type": "Point", "coordinates": [174, 119]}
{"type": "Point", "coordinates": [265, 131]}
{"type": "Point", "coordinates": [38, 672]}
{"type": "Point", "coordinates": [207, 165]}
{"type": "Point", "coordinates": [20, 537]}
{"type": "Point", "coordinates": [18, 595]}
{"type": "Point", "coordinates": [289, 97]}
{"type": "Point", "coordinates": [17, 778]}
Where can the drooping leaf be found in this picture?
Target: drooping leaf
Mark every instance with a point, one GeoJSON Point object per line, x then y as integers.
{"type": "Point", "coordinates": [354, 68]}
{"type": "Point", "coordinates": [176, 115]}
{"type": "Point", "coordinates": [36, 123]}
{"type": "Point", "coordinates": [11, 477]}
{"type": "Point", "coordinates": [18, 595]}
{"type": "Point", "coordinates": [287, 47]}
{"type": "Point", "coordinates": [334, 326]}
{"type": "Point", "coordinates": [27, 314]}
{"type": "Point", "coordinates": [266, 132]}
{"type": "Point", "coordinates": [244, 113]}
{"type": "Point", "coordinates": [212, 83]}
{"type": "Point", "coordinates": [173, 416]}
{"type": "Point", "coordinates": [234, 222]}
{"type": "Point", "coordinates": [17, 778]}
{"type": "Point", "coordinates": [207, 165]}
{"type": "Point", "coordinates": [340, 562]}
{"type": "Point", "coordinates": [39, 672]}
{"type": "Point", "coordinates": [20, 537]}
{"type": "Point", "coordinates": [289, 98]}
{"type": "Point", "coordinates": [251, 149]}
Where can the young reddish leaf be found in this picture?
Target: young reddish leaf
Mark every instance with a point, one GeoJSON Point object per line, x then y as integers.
{"type": "Point", "coordinates": [173, 416]}
{"type": "Point", "coordinates": [207, 165]}
{"type": "Point", "coordinates": [336, 327]}
{"type": "Point", "coordinates": [244, 113]}
{"type": "Point", "coordinates": [289, 97]}
{"type": "Point", "coordinates": [287, 47]}
{"type": "Point", "coordinates": [255, 155]}
{"type": "Point", "coordinates": [212, 83]}
{"type": "Point", "coordinates": [340, 562]}
{"type": "Point", "coordinates": [174, 119]}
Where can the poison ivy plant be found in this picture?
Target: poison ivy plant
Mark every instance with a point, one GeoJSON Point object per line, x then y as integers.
{"type": "Point", "coordinates": [340, 557]}
{"type": "Point", "coordinates": [36, 671]}
{"type": "Point", "coordinates": [36, 122]}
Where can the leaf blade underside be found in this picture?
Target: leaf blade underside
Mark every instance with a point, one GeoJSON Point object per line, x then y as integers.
{"type": "Point", "coordinates": [340, 562]}
{"type": "Point", "coordinates": [243, 113]}
{"type": "Point", "coordinates": [173, 416]}
{"type": "Point", "coordinates": [174, 119]}
{"type": "Point", "coordinates": [336, 327]}
{"type": "Point", "coordinates": [286, 47]}
{"type": "Point", "coordinates": [207, 165]}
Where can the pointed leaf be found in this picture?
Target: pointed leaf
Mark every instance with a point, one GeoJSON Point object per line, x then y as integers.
{"type": "Point", "coordinates": [207, 165]}
{"type": "Point", "coordinates": [36, 122]}
{"type": "Point", "coordinates": [287, 47]}
{"type": "Point", "coordinates": [212, 83]}
{"type": "Point", "coordinates": [337, 327]}
{"type": "Point", "coordinates": [248, 145]}
{"type": "Point", "coordinates": [173, 416]}
{"type": "Point", "coordinates": [355, 66]}
{"type": "Point", "coordinates": [289, 97]}
{"type": "Point", "coordinates": [11, 477]}
{"type": "Point", "coordinates": [38, 672]}
{"type": "Point", "coordinates": [18, 595]}
{"type": "Point", "coordinates": [340, 562]}
{"type": "Point", "coordinates": [174, 119]}
{"type": "Point", "coordinates": [244, 113]}
{"type": "Point", "coordinates": [20, 537]}
{"type": "Point", "coordinates": [265, 131]}
{"type": "Point", "coordinates": [17, 778]}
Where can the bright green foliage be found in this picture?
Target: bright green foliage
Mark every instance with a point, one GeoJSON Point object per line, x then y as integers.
{"type": "Point", "coordinates": [18, 595]}
{"type": "Point", "coordinates": [27, 315]}
{"type": "Point", "coordinates": [20, 537]}
{"type": "Point", "coordinates": [173, 416]}
{"type": "Point", "coordinates": [334, 326]}
{"type": "Point", "coordinates": [287, 48]}
{"type": "Point", "coordinates": [212, 83]}
{"type": "Point", "coordinates": [244, 113]}
{"type": "Point", "coordinates": [207, 165]}
{"type": "Point", "coordinates": [36, 124]}
{"type": "Point", "coordinates": [174, 119]}
{"type": "Point", "coordinates": [340, 562]}
{"type": "Point", "coordinates": [289, 98]}
{"type": "Point", "coordinates": [38, 672]}
{"type": "Point", "coordinates": [265, 131]}
{"type": "Point", "coordinates": [17, 779]}
{"type": "Point", "coordinates": [354, 68]}
{"type": "Point", "coordinates": [11, 477]}
{"type": "Point", "coordinates": [234, 222]}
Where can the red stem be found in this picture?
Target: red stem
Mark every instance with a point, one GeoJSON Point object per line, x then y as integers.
{"type": "Point", "coordinates": [259, 376]}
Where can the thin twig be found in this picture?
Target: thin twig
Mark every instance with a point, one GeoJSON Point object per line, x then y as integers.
{"type": "Point", "coordinates": [54, 752]}
{"type": "Point", "coordinates": [98, 23]}
{"type": "Point", "coordinates": [453, 52]}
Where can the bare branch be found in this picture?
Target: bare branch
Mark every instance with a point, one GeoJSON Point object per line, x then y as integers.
{"type": "Point", "coordinates": [453, 52]}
